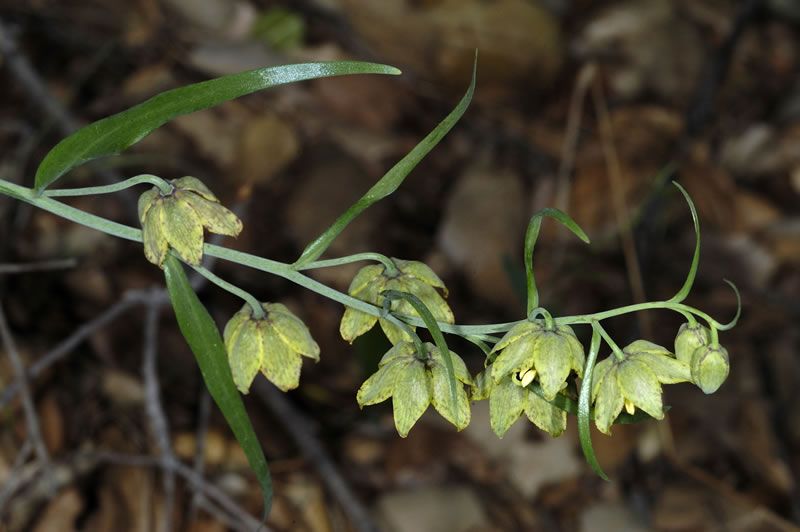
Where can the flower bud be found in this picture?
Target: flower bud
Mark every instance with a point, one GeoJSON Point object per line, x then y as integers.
{"type": "Point", "coordinates": [689, 339]}
{"type": "Point", "coordinates": [176, 220]}
{"type": "Point", "coordinates": [710, 367]}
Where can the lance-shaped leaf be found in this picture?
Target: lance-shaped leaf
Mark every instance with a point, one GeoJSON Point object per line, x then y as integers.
{"type": "Point", "coordinates": [532, 233]}
{"type": "Point", "coordinates": [584, 402]}
{"type": "Point", "coordinates": [390, 181]}
{"type": "Point", "coordinates": [203, 337]}
{"type": "Point", "coordinates": [118, 132]}
{"type": "Point", "coordinates": [687, 284]}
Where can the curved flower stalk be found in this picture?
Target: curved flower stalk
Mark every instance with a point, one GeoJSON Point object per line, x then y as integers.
{"type": "Point", "coordinates": [176, 220]}
{"type": "Point", "coordinates": [415, 380]}
{"type": "Point", "coordinates": [274, 345]}
{"type": "Point", "coordinates": [533, 350]}
{"type": "Point", "coordinates": [410, 276]}
{"type": "Point", "coordinates": [510, 397]}
{"type": "Point", "coordinates": [634, 381]}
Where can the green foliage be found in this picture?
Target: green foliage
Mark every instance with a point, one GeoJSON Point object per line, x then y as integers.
{"type": "Point", "coordinates": [203, 338]}
{"type": "Point", "coordinates": [534, 368]}
{"type": "Point", "coordinates": [118, 132]}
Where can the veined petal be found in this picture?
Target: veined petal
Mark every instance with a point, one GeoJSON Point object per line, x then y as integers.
{"type": "Point", "coordinates": [547, 417]}
{"type": "Point", "coordinates": [214, 217]}
{"type": "Point", "coordinates": [188, 182]}
{"type": "Point", "coordinates": [506, 403]}
{"type": "Point", "coordinates": [516, 333]}
{"type": "Point", "coordinates": [146, 201]}
{"type": "Point", "coordinates": [442, 398]}
{"type": "Point", "coordinates": [609, 401]}
{"type": "Point", "coordinates": [599, 373]}
{"type": "Point", "coordinates": [292, 330]}
{"type": "Point", "coordinates": [233, 327]}
{"type": "Point", "coordinates": [517, 356]}
{"type": "Point", "coordinates": [281, 365]}
{"type": "Point", "coordinates": [380, 385]}
{"type": "Point", "coordinates": [355, 323]}
{"type": "Point", "coordinates": [552, 358]}
{"type": "Point", "coordinates": [689, 339]}
{"type": "Point", "coordinates": [432, 299]}
{"type": "Point", "coordinates": [394, 333]}
{"type": "Point", "coordinates": [364, 276]}
{"type": "Point", "coordinates": [639, 385]}
{"type": "Point", "coordinates": [246, 355]}
{"type": "Point", "coordinates": [668, 370]}
{"type": "Point", "coordinates": [459, 368]}
{"type": "Point", "coordinates": [183, 230]}
{"type": "Point", "coordinates": [421, 271]}
{"type": "Point", "coordinates": [156, 246]}
{"type": "Point", "coordinates": [399, 351]}
{"type": "Point", "coordinates": [576, 349]}
{"type": "Point", "coordinates": [482, 386]}
{"type": "Point", "coordinates": [411, 397]}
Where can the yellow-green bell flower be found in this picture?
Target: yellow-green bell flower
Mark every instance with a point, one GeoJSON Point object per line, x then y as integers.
{"type": "Point", "coordinates": [413, 277]}
{"type": "Point", "coordinates": [634, 382]}
{"type": "Point", "coordinates": [689, 339]}
{"type": "Point", "coordinates": [533, 350]}
{"type": "Point", "coordinates": [274, 345]}
{"type": "Point", "coordinates": [710, 367]}
{"type": "Point", "coordinates": [176, 220]}
{"type": "Point", "coordinates": [510, 397]}
{"type": "Point", "coordinates": [414, 381]}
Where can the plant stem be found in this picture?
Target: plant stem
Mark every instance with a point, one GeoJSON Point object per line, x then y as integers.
{"type": "Point", "coordinates": [388, 263]}
{"type": "Point", "coordinates": [258, 311]}
{"type": "Point", "coordinates": [163, 185]}
{"type": "Point", "coordinates": [286, 271]}
{"type": "Point", "coordinates": [610, 341]}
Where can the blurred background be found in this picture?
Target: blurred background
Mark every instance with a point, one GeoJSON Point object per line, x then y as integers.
{"type": "Point", "coordinates": [591, 107]}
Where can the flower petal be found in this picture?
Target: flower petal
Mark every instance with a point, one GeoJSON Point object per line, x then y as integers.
{"type": "Point", "coordinates": [639, 385]}
{"type": "Point", "coordinates": [459, 368]}
{"type": "Point", "coordinates": [421, 271]}
{"type": "Point", "coordinates": [292, 330]}
{"type": "Point", "coordinates": [516, 356]}
{"type": "Point", "coordinates": [515, 333]}
{"type": "Point", "coordinates": [547, 417]}
{"type": "Point", "coordinates": [246, 354]}
{"type": "Point", "coordinates": [668, 370]}
{"type": "Point", "coordinates": [215, 217]}
{"type": "Point", "coordinates": [399, 351]}
{"type": "Point", "coordinates": [609, 401]}
{"type": "Point", "coordinates": [380, 385]}
{"type": "Point", "coordinates": [364, 276]}
{"type": "Point", "coordinates": [146, 201]}
{"type": "Point", "coordinates": [552, 358]}
{"type": "Point", "coordinates": [506, 403]}
{"type": "Point", "coordinates": [442, 398]}
{"type": "Point", "coordinates": [188, 182]}
{"type": "Point", "coordinates": [280, 365]}
{"type": "Point", "coordinates": [411, 397]}
{"type": "Point", "coordinates": [576, 348]}
{"type": "Point", "coordinates": [689, 339]}
{"type": "Point", "coordinates": [600, 370]}
{"type": "Point", "coordinates": [394, 333]}
{"type": "Point", "coordinates": [156, 246]}
{"type": "Point", "coordinates": [355, 323]}
{"type": "Point", "coordinates": [183, 230]}
{"type": "Point", "coordinates": [432, 299]}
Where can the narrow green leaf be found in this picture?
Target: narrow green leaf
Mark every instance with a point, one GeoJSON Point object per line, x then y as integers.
{"type": "Point", "coordinates": [687, 285]}
{"type": "Point", "coordinates": [118, 132]}
{"type": "Point", "coordinates": [731, 324]}
{"type": "Point", "coordinates": [390, 181]}
{"type": "Point", "coordinates": [584, 413]}
{"type": "Point", "coordinates": [203, 337]}
{"type": "Point", "coordinates": [436, 333]}
{"type": "Point", "coordinates": [532, 233]}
